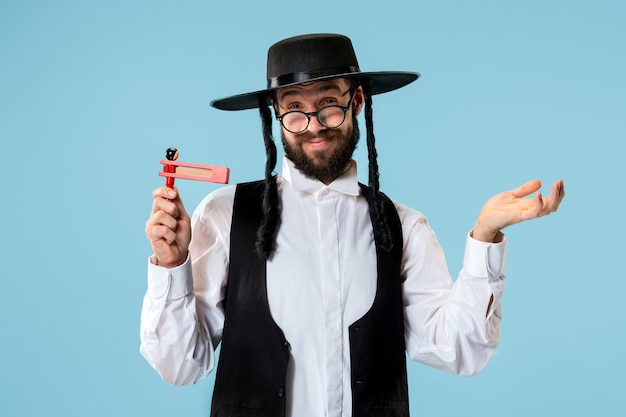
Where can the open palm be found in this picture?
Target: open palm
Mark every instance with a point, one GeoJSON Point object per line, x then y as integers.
{"type": "Point", "coordinates": [512, 207]}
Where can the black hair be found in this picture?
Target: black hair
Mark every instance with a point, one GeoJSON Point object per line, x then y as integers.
{"type": "Point", "coordinates": [382, 233]}
{"type": "Point", "coordinates": [266, 235]}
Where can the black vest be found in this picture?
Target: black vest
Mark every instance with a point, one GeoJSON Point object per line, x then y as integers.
{"type": "Point", "coordinates": [251, 374]}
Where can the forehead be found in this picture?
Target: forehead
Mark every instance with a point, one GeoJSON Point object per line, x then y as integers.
{"type": "Point", "coordinates": [332, 86]}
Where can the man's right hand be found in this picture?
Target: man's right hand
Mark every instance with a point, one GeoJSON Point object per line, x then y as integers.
{"type": "Point", "coordinates": [169, 228]}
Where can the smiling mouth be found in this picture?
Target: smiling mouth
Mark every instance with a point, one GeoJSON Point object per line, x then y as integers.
{"type": "Point", "coordinates": [317, 143]}
{"type": "Point", "coordinates": [323, 136]}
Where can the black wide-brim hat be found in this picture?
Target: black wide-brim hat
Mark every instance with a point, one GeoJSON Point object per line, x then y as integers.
{"type": "Point", "coordinates": [316, 57]}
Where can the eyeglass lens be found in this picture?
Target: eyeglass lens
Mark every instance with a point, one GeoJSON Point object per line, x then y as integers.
{"type": "Point", "coordinates": [331, 117]}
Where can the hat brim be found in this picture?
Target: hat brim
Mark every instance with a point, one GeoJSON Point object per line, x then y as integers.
{"type": "Point", "coordinates": [380, 82]}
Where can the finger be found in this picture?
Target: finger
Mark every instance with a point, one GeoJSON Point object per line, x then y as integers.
{"type": "Point", "coordinates": [556, 195]}
{"type": "Point", "coordinates": [165, 192]}
{"type": "Point", "coordinates": [160, 233]}
{"type": "Point", "coordinates": [531, 208]}
{"type": "Point", "coordinates": [526, 189]}
{"type": "Point", "coordinates": [182, 212]}
{"type": "Point", "coordinates": [167, 206]}
{"type": "Point", "coordinates": [560, 190]}
{"type": "Point", "coordinates": [161, 218]}
{"type": "Point", "coordinates": [539, 205]}
{"type": "Point", "coordinates": [168, 199]}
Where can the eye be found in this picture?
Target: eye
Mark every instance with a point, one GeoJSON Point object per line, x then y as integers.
{"type": "Point", "coordinates": [329, 101]}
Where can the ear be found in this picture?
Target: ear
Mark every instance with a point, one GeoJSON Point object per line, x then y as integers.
{"type": "Point", "coordinates": [359, 100]}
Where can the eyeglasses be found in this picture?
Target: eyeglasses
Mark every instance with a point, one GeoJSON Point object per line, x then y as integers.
{"type": "Point", "coordinates": [329, 116]}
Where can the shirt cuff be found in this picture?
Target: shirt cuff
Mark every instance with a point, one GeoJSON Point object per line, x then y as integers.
{"type": "Point", "coordinates": [171, 283]}
{"type": "Point", "coordinates": [484, 259]}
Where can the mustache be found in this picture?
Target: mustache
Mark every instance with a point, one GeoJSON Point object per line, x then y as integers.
{"type": "Point", "coordinates": [324, 134]}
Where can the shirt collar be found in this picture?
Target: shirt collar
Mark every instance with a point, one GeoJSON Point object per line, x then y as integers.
{"type": "Point", "coordinates": [346, 183]}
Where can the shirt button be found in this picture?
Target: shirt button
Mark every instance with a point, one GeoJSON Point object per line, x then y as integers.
{"type": "Point", "coordinates": [281, 392]}
{"type": "Point", "coordinates": [324, 191]}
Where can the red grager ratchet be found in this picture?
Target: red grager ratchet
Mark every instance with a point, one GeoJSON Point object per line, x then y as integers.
{"type": "Point", "coordinates": [190, 171]}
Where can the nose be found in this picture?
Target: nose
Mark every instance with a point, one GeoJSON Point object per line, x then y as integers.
{"type": "Point", "coordinates": [315, 125]}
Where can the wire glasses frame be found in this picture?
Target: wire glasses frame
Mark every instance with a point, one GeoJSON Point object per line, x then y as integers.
{"type": "Point", "coordinates": [329, 116]}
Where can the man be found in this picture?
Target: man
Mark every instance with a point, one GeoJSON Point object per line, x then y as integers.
{"type": "Point", "coordinates": [315, 285]}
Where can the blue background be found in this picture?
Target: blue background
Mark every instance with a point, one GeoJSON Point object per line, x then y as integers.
{"type": "Point", "coordinates": [92, 93]}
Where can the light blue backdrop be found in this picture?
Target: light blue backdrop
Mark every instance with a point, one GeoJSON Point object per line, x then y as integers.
{"type": "Point", "coordinates": [92, 93]}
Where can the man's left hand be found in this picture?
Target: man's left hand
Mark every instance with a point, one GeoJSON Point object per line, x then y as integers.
{"type": "Point", "coordinates": [511, 207]}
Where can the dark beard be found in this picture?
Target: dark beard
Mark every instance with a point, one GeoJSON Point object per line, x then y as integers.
{"type": "Point", "coordinates": [332, 166]}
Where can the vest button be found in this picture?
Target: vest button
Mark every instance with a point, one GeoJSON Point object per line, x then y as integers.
{"type": "Point", "coordinates": [281, 392]}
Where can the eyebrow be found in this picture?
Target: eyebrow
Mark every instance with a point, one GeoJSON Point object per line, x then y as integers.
{"type": "Point", "coordinates": [321, 89]}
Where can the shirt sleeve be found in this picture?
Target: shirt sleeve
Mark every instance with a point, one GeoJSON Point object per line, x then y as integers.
{"type": "Point", "coordinates": [182, 315]}
{"type": "Point", "coordinates": [450, 325]}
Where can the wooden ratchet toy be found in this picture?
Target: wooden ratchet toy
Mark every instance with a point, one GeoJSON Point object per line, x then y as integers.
{"type": "Point", "coordinates": [190, 171]}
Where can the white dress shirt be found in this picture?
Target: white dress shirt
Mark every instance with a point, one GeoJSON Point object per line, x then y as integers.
{"type": "Point", "coordinates": [321, 279]}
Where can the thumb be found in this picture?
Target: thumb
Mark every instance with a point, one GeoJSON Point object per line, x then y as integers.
{"type": "Point", "coordinates": [526, 189]}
